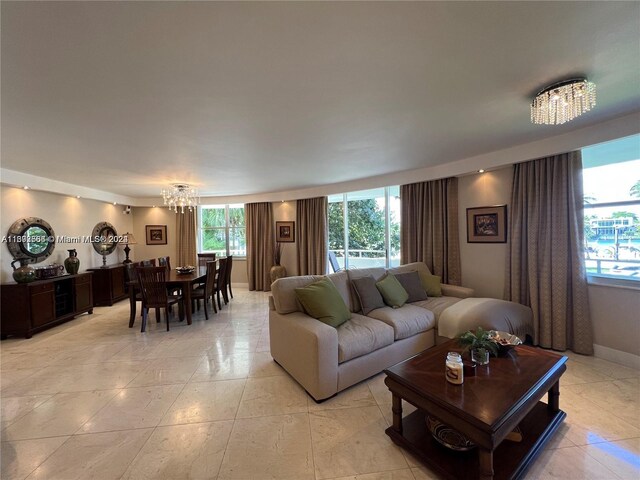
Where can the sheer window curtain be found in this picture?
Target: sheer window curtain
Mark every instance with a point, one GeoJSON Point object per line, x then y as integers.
{"type": "Point", "coordinates": [429, 227]}
{"type": "Point", "coordinates": [545, 264]}
{"type": "Point", "coordinates": [312, 235]}
{"type": "Point", "coordinates": [186, 238]}
{"type": "Point", "coordinates": [260, 243]}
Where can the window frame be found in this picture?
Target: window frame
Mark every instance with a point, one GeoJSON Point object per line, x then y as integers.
{"type": "Point", "coordinates": [227, 228]}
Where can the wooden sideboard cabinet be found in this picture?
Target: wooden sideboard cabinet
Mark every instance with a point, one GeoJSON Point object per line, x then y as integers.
{"type": "Point", "coordinates": [27, 308]}
{"type": "Point", "coordinates": [108, 284]}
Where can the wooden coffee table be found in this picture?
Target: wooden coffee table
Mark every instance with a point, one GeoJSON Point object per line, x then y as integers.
{"type": "Point", "coordinates": [502, 396]}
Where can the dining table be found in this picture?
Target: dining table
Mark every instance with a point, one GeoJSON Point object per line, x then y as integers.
{"type": "Point", "coordinates": [174, 279]}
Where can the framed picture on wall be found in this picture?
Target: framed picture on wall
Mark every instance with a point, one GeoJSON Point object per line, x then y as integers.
{"type": "Point", "coordinates": [285, 231]}
{"type": "Point", "coordinates": [156, 234]}
{"type": "Point", "coordinates": [487, 224]}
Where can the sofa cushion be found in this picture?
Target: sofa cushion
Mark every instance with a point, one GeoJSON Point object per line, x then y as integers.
{"type": "Point", "coordinates": [410, 281]}
{"type": "Point", "coordinates": [410, 267]}
{"type": "Point", "coordinates": [343, 285]}
{"type": "Point", "coordinates": [392, 292]}
{"type": "Point", "coordinates": [284, 295]}
{"type": "Point", "coordinates": [362, 335]}
{"type": "Point", "coordinates": [405, 321]}
{"type": "Point", "coordinates": [322, 300]}
{"type": "Point", "coordinates": [431, 284]}
{"type": "Point", "coordinates": [367, 293]}
{"type": "Point", "coordinates": [437, 305]}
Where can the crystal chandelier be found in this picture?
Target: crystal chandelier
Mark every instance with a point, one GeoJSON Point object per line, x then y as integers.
{"type": "Point", "coordinates": [180, 196]}
{"type": "Point", "coordinates": [563, 101]}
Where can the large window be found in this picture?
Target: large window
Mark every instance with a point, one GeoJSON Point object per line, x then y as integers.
{"type": "Point", "coordinates": [364, 228]}
{"type": "Point", "coordinates": [221, 230]}
{"type": "Point", "coordinates": [611, 179]}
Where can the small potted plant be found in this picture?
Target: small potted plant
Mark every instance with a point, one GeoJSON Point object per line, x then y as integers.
{"type": "Point", "coordinates": [480, 343]}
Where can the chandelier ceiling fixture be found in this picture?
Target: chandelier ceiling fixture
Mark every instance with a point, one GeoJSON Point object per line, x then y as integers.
{"type": "Point", "coordinates": [180, 196]}
{"type": "Point", "coordinates": [563, 101]}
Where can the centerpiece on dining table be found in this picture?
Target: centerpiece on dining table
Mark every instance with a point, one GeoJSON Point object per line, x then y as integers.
{"type": "Point", "coordinates": [186, 269]}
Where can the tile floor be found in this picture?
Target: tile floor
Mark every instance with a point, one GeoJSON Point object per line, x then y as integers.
{"type": "Point", "coordinates": [95, 399]}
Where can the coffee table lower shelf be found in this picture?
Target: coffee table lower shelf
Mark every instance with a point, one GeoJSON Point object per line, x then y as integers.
{"type": "Point", "coordinates": [510, 459]}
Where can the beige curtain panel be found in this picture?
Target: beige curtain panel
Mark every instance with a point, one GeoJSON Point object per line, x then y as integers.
{"type": "Point", "coordinates": [312, 236]}
{"type": "Point", "coordinates": [186, 241]}
{"type": "Point", "coordinates": [545, 262]}
{"type": "Point", "coordinates": [429, 227]}
{"type": "Point", "coordinates": [260, 243]}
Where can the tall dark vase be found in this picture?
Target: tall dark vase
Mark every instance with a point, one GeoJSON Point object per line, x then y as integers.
{"type": "Point", "coordinates": [72, 263]}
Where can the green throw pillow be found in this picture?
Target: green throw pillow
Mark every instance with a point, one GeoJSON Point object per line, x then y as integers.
{"type": "Point", "coordinates": [322, 300]}
{"type": "Point", "coordinates": [392, 291]}
{"type": "Point", "coordinates": [431, 284]}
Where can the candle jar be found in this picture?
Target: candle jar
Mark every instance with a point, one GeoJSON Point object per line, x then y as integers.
{"type": "Point", "coordinates": [454, 368]}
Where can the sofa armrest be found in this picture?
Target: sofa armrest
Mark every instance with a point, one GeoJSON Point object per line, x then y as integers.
{"type": "Point", "coordinates": [307, 349]}
{"type": "Point", "coordinates": [457, 291]}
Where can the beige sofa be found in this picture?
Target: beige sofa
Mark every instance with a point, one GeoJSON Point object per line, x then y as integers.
{"type": "Point", "coordinates": [326, 360]}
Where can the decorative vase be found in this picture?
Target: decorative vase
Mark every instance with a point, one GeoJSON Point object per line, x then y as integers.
{"type": "Point", "coordinates": [480, 356]}
{"type": "Point", "coordinates": [72, 263]}
{"type": "Point", "coordinates": [23, 274]}
{"type": "Point", "coordinates": [277, 271]}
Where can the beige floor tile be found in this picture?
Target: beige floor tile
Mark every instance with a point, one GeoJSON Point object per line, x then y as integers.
{"type": "Point", "coordinates": [205, 402]}
{"type": "Point", "coordinates": [424, 473]}
{"type": "Point", "coordinates": [165, 371]}
{"type": "Point", "coordinates": [272, 396]}
{"type": "Point", "coordinates": [621, 457]}
{"type": "Point", "coordinates": [352, 441]}
{"type": "Point", "coordinates": [263, 365]}
{"type": "Point", "coordinates": [184, 348]}
{"type": "Point", "coordinates": [93, 354]}
{"type": "Point", "coordinates": [20, 458]}
{"type": "Point", "coordinates": [277, 447]}
{"type": "Point", "coordinates": [13, 408]}
{"type": "Point", "coordinates": [130, 408]}
{"type": "Point", "coordinates": [404, 474]}
{"type": "Point", "coordinates": [570, 463]}
{"type": "Point", "coordinates": [611, 369]}
{"type": "Point", "coordinates": [619, 397]}
{"type": "Point", "coordinates": [232, 345]}
{"type": "Point", "coordinates": [223, 367]}
{"type": "Point", "coordinates": [63, 414]}
{"type": "Point", "coordinates": [580, 373]}
{"type": "Point", "coordinates": [182, 452]}
{"type": "Point", "coordinates": [8, 378]}
{"type": "Point", "coordinates": [93, 456]}
{"type": "Point", "coordinates": [379, 390]}
{"type": "Point", "coordinates": [358, 395]}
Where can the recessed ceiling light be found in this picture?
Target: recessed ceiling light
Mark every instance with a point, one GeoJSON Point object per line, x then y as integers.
{"type": "Point", "coordinates": [481, 170]}
{"type": "Point", "coordinates": [115, 203]}
{"type": "Point", "coordinates": [26, 187]}
{"type": "Point", "coordinates": [77, 196]}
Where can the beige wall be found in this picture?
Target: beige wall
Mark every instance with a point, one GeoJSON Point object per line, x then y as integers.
{"type": "Point", "coordinates": [68, 216]}
{"type": "Point", "coordinates": [483, 264]}
{"type": "Point", "coordinates": [286, 212]}
{"type": "Point", "coordinates": [143, 216]}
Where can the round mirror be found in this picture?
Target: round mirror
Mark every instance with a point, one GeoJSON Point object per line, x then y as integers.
{"type": "Point", "coordinates": [31, 239]}
{"type": "Point", "coordinates": [104, 238]}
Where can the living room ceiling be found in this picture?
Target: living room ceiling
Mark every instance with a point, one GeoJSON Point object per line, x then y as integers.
{"type": "Point", "coordinates": [245, 98]}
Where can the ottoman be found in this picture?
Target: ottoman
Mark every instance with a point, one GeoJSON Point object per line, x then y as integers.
{"type": "Point", "coordinates": [488, 313]}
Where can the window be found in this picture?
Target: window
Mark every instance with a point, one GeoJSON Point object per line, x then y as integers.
{"type": "Point", "coordinates": [611, 178]}
{"type": "Point", "coordinates": [364, 228]}
{"type": "Point", "coordinates": [221, 230]}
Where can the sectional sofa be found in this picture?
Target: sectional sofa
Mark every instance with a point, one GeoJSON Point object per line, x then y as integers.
{"type": "Point", "coordinates": [325, 359]}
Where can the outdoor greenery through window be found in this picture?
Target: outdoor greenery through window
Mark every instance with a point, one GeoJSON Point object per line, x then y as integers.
{"type": "Point", "coordinates": [221, 230]}
{"type": "Point", "coordinates": [611, 178]}
{"type": "Point", "coordinates": [364, 228]}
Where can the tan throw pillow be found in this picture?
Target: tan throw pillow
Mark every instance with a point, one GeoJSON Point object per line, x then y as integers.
{"type": "Point", "coordinates": [322, 301]}
{"type": "Point", "coordinates": [431, 284]}
{"type": "Point", "coordinates": [410, 281]}
{"type": "Point", "coordinates": [367, 293]}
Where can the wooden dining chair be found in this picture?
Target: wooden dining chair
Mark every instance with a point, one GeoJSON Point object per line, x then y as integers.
{"type": "Point", "coordinates": [153, 285]}
{"type": "Point", "coordinates": [148, 263]}
{"type": "Point", "coordinates": [207, 292]}
{"type": "Point", "coordinates": [133, 284]}
{"type": "Point", "coordinates": [226, 289]}
{"type": "Point", "coordinates": [165, 262]}
{"type": "Point", "coordinates": [204, 258]}
{"type": "Point", "coordinates": [220, 280]}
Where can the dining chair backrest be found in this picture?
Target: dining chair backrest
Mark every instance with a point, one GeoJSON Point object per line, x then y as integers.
{"type": "Point", "coordinates": [222, 274]}
{"type": "Point", "coordinates": [212, 269]}
{"type": "Point", "coordinates": [204, 258]}
{"type": "Point", "coordinates": [164, 262]}
{"type": "Point", "coordinates": [153, 285]}
{"type": "Point", "coordinates": [227, 278]}
{"type": "Point", "coordinates": [130, 272]}
{"type": "Point", "coordinates": [149, 263]}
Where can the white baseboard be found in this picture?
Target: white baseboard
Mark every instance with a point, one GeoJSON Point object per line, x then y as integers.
{"type": "Point", "coordinates": [617, 356]}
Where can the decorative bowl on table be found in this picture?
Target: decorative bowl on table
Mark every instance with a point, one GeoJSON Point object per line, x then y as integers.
{"type": "Point", "coordinates": [447, 436]}
{"type": "Point", "coordinates": [185, 269]}
{"type": "Point", "coordinates": [505, 340]}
